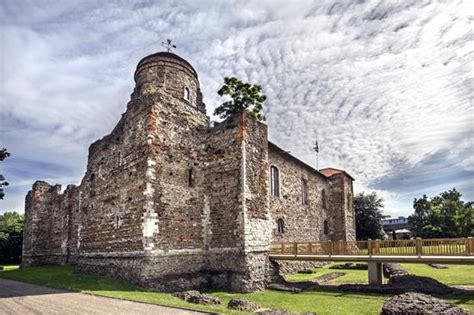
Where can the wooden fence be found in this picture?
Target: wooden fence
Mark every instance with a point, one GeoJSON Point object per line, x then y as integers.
{"type": "Point", "coordinates": [414, 247]}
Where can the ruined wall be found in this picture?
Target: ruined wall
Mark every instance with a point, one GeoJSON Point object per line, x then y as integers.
{"type": "Point", "coordinates": [50, 223]}
{"type": "Point", "coordinates": [302, 223]}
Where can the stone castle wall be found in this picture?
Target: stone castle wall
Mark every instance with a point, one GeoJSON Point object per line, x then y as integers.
{"type": "Point", "coordinates": [302, 222]}
{"type": "Point", "coordinates": [342, 217]}
{"type": "Point", "coordinates": [170, 203]}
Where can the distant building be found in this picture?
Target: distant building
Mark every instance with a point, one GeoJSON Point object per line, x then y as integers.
{"type": "Point", "coordinates": [396, 227]}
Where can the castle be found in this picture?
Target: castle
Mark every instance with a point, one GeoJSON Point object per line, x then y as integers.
{"type": "Point", "coordinates": [171, 203]}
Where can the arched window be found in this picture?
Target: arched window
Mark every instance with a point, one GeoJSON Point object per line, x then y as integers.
{"type": "Point", "coordinates": [280, 226]}
{"type": "Point", "coordinates": [274, 181]}
{"type": "Point", "coordinates": [304, 192]}
{"type": "Point", "coordinates": [326, 227]}
{"type": "Point", "coordinates": [323, 199]}
{"type": "Point", "coordinates": [349, 201]}
{"type": "Point", "coordinates": [186, 94]}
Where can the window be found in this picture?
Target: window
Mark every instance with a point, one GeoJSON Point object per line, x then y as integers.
{"type": "Point", "coordinates": [186, 94]}
{"type": "Point", "coordinates": [304, 192]}
{"type": "Point", "coordinates": [326, 227]}
{"type": "Point", "coordinates": [323, 199]}
{"type": "Point", "coordinates": [119, 159]}
{"type": "Point", "coordinates": [274, 181]}
{"type": "Point", "coordinates": [191, 173]}
{"type": "Point", "coordinates": [349, 201]}
{"type": "Point", "coordinates": [280, 226]}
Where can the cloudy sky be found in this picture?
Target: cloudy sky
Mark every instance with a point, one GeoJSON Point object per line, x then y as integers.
{"type": "Point", "coordinates": [386, 86]}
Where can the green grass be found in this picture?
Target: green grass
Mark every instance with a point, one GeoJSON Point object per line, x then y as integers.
{"type": "Point", "coordinates": [352, 276]}
{"type": "Point", "coordinates": [453, 275]}
{"type": "Point", "coordinates": [321, 301]}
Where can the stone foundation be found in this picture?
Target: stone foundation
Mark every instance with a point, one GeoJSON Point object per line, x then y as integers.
{"type": "Point", "coordinates": [180, 272]}
{"type": "Point", "coordinates": [290, 267]}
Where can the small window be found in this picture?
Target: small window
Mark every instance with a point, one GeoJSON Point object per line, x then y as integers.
{"type": "Point", "coordinates": [349, 201]}
{"type": "Point", "coordinates": [326, 227]}
{"type": "Point", "coordinates": [119, 159]}
{"type": "Point", "coordinates": [280, 226]}
{"type": "Point", "coordinates": [304, 192]}
{"type": "Point", "coordinates": [323, 199]}
{"type": "Point", "coordinates": [191, 174]}
{"type": "Point", "coordinates": [186, 94]}
{"type": "Point", "coordinates": [274, 181]}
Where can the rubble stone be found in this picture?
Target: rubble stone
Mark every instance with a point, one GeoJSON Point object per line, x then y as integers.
{"type": "Point", "coordinates": [243, 305]}
{"type": "Point", "coordinates": [393, 270]}
{"type": "Point", "coordinates": [417, 303]}
{"type": "Point", "coordinates": [193, 296]}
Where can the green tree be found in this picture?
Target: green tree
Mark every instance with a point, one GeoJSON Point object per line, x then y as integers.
{"type": "Point", "coordinates": [3, 155]}
{"type": "Point", "coordinates": [368, 212]}
{"type": "Point", "coordinates": [243, 96]}
{"type": "Point", "coordinates": [11, 237]}
{"type": "Point", "coordinates": [446, 215]}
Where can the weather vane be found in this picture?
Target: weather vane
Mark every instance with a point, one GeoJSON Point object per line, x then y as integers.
{"type": "Point", "coordinates": [168, 45]}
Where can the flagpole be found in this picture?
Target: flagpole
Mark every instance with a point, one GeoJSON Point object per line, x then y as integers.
{"type": "Point", "coordinates": [317, 161]}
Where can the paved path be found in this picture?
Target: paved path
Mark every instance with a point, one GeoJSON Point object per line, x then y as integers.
{"type": "Point", "coordinates": [25, 299]}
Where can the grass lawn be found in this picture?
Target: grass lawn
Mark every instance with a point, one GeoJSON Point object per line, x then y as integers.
{"type": "Point", "coordinates": [321, 301]}
{"type": "Point", "coordinates": [453, 275]}
{"type": "Point", "coordinates": [352, 276]}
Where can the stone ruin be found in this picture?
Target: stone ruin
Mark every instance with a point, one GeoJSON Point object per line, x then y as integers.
{"type": "Point", "coordinates": [170, 203]}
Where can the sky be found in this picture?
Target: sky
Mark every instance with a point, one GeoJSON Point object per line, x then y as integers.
{"type": "Point", "coordinates": [385, 86]}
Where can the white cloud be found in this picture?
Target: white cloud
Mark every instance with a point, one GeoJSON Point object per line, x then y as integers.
{"type": "Point", "coordinates": [383, 85]}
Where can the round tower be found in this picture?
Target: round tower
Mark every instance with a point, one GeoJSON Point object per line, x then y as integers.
{"type": "Point", "coordinates": [167, 72]}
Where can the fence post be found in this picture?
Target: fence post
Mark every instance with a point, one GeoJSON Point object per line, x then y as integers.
{"type": "Point", "coordinates": [330, 248]}
{"type": "Point", "coordinates": [469, 246]}
{"type": "Point", "coordinates": [377, 246]}
{"type": "Point", "coordinates": [310, 248]}
{"type": "Point", "coordinates": [369, 247]}
{"type": "Point", "coordinates": [282, 248]}
{"type": "Point", "coordinates": [340, 247]}
{"type": "Point", "coordinates": [295, 249]}
{"type": "Point", "coordinates": [418, 246]}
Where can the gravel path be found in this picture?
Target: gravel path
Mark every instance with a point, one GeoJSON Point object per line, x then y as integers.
{"type": "Point", "coordinates": [25, 299]}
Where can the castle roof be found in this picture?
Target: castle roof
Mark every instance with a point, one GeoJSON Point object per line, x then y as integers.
{"type": "Point", "coordinates": [329, 171]}
{"type": "Point", "coordinates": [272, 146]}
{"type": "Point", "coordinates": [167, 55]}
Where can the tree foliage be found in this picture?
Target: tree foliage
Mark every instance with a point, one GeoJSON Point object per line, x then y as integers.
{"type": "Point", "coordinates": [3, 155]}
{"type": "Point", "coordinates": [368, 212]}
{"type": "Point", "coordinates": [446, 215]}
{"type": "Point", "coordinates": [243, 96]}
{"type": "Point", "coordinates": [11, 237]}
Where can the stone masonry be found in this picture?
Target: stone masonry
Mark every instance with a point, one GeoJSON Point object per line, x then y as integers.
{"type": "Point", "coordinates": [170, 203]}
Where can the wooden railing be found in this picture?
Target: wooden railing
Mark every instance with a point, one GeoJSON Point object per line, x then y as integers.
{"type": "Point", "coordinates": [413, 247]}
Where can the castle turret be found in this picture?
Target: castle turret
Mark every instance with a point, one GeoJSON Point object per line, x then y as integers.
{"type": "Point", "coordinates": [167, 72]}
